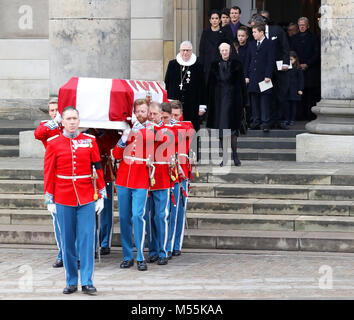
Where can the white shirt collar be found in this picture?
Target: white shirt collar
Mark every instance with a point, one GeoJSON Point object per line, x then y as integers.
{"type": "Point", "coordinates": [188, 63]}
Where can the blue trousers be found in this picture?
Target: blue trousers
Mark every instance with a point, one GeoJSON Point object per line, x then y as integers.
{"type": "Point", "coordinates": [78, 224]}
{"type": "Point", "coordinates": [132, 209]}
{"type": "Point", "coordinates": [57, 235]}
{"type": "Point", "coordinates": [106, 219]}
{"type": "Point", "coordinates": [178, 218]}
{"type": "Point", "coordinates": [157, 221]}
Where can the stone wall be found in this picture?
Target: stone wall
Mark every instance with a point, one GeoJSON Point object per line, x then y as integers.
{"type": "Point", "coordinates": [24, 58]}
{"type": "Point", "coordinates": [88, 39]}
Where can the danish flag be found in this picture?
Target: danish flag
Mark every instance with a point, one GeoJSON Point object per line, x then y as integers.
{"type": "Point", "coordinates": [107, 103]}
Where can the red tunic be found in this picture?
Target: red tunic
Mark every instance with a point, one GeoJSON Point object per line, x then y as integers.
{"type": "Point", "coordinates": [133, 171]}
{"type": "Point", "coordinates": [106, 141]}
{"type": "Point", "coordinates": [185, 132]}
{"type": "Point", "coordinates": [164, 149]}
{"type": "Point", "coordinates": [46, 130]}
{"type": "Point", "coordinates": [71, 158]}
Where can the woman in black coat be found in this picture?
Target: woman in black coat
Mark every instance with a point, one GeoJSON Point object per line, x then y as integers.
{"type": "Point", "coordinates": [227, 96]}
{"type": "Point", "coordinates": [210, 40]}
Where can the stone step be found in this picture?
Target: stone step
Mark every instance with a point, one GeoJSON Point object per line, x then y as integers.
{"type": "Point", "coordinates": [257, 143]}
{"type": "Point", "coordinates": [273, 191]}
{"type": "Point", "coordinates": [21, 187]}
{"type": "Point", "coordinates": [211, 221]}
{"type": "Point", "coordinates": [216, 190]}
{"type": "Point", "coordinates": [219, 205]}
{"type": "Point", "coordinates": [209, 239]}
{"type": "Point", "coordinates": [271, 206]}
{"type": "Point", "coordinates": [9, 140]}
{"type": "Point", "coordinates": [275, 174]}
{"type": "Point", "coordinates": [14, 127]}
{"type": "Point", "coordinates": [9, 151]}
{"type": "Point", "coordinates": [252, 154]}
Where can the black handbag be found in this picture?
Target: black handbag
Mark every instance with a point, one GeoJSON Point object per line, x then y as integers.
{"type": "Point", "coordinates": [243, 126]}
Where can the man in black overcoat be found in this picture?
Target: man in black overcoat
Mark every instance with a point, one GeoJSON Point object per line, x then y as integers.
{"type": "Point", "coordinates": [307, 47]}
{"type": "Point", "coordinates": [185, 82]}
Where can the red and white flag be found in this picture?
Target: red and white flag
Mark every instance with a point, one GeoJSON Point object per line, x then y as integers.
{"type": "Point", "coordinates": [107, 103]}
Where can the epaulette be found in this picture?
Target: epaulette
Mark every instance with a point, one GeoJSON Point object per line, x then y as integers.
{"type": "Point", "coordinates": [44, 121]}
{"type": "Point", "coordinates": [89, 135]}
{"type": "Point", "coordinates": [52, 138]}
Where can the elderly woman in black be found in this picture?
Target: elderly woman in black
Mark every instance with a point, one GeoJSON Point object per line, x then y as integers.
{"type": "Point", "coordinates": [227, 96]}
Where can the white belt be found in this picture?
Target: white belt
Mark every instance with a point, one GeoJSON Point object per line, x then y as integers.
{"type": "Point", "coordinates": [136, 159]}
{"type": "Point", "coordinates": [148, 163]}
{"type": "Point", "coordinates": [74, 177]}
{"type": "Point", "coordinates": [162, 162]}
{"type": "Point", "coordinates": [184, 155]}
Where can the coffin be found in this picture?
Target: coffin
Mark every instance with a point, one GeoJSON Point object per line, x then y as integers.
{"type": "Point", "coordinates": [107, 103]}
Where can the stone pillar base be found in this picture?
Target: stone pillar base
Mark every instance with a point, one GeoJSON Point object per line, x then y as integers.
{"type": "Point", "coordinates": [29, 146]}
{"type": "Point", "coordinates": [324, 148]}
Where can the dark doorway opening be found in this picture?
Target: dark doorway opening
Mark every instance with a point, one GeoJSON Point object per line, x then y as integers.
{"type": "Point", "coordinates": [283, 12]}
{"type": "Point", "coordinates": [210, 5]}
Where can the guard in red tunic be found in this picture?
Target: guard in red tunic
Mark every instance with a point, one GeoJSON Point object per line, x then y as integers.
{"type": "Point", "coordinates": [184, 135]}
{"type": "Point", "coordinates": [49, 128]}
{"type": "Point", "coordinates": [158, 205]}
{"type": "Point", "coordinates": [74, 184]}
{"type": "Point", "coordinates": [46, 130]}
{"type": "Point", "coordinates": [106, 141]}
{"type": "Point", "coordinates": [135, 150]}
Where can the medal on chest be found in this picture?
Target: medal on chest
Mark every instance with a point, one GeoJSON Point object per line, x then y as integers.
{"type": "Point", "coordinates": [185, 76]}
{"type": "Point", "coordinates": [83, 143]}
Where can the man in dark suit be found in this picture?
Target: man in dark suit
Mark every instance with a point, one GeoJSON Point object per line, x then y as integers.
{"type": "Point", "coordinates": [230, 30]}
{"type": "Point", "coordinates": [259, 67]}
{"type": "Point", "coordinates": [280, 76]}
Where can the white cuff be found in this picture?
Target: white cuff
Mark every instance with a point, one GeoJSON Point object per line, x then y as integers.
{"type": "Point", "coordinates": [202, 107]}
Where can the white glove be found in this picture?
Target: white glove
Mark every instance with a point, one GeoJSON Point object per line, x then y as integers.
{"type": "Point", "coordinates": [134, 119]}
{"type": "Point", "coordinates": [52, 208]}
{"type": "Point", "coordinates": [99, 205]}
{"type": "Point", "coordinates": [125, 135]}
{"type": "Point", "coordinates": [58, 118]}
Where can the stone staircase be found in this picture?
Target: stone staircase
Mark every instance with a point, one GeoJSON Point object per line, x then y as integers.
{"type": "Point", "coordinates": [262, 205]}
{"type": "Point", "coordinates": [9, 135]}
{"type": "Point", "coordinates": [276, 145]}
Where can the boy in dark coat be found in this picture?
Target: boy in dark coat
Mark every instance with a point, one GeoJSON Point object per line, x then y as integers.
{"type": "Point", "coordinates": [259, 67]}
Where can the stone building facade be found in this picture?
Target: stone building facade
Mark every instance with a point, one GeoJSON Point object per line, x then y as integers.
{"type": "Point", "coordinates": [45, 42]}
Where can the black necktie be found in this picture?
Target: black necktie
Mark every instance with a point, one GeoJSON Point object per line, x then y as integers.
{"type": "Point", "coordinates": [258, 44]}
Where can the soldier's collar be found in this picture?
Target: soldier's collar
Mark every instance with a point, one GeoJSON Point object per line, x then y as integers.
{"type": "Point", "coordinates": [71, 135]}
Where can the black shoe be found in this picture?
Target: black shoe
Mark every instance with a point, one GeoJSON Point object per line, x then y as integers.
{"type": "Point", "coordinates": [176, 253]}
{"type": "Point", "coordinates": [90, 289]}
{"type": "Point", "coordinates": [162, 261]}
{"type": "Point", "coordinates": [78, 264]}
{"type": "Point", "coordinates": [127, 264]}
{"type": "Point", "coordinates": [105, 251]}
{"type": "Point", "coordinates": [96, 255]}
{"type": "Point", "coordinates": [254, 127]}
{"type": "Point", "coordinates": [58, 264]}
{"type": "Point", "coordinates": [169, 255]}
{"type": "Point", "coordinates": [152, 259]}
{"type": "Point", "coordinates": [70, 289]}
{"type": "Point", "coordinates": [141, 265]}
{"type": "Point", "coordinates": [221, 164]}
{"type": "Point", "coordinates": [237, 162]}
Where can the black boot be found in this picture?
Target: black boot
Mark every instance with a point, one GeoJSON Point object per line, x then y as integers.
{"type": "Point", "coordinates": [237, 162]}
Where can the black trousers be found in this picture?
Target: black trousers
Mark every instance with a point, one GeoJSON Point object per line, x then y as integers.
{"type": "Point", "coordinates": [279, 97]}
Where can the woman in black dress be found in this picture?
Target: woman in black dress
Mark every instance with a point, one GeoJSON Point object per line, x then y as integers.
{"type": "Point", "coordinates": [209, 42]}
{"type": "Point", "coordinates": [227, 96]}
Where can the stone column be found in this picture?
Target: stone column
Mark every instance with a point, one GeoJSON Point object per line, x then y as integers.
{"type": "Point", "coordinates": [331, 135]}
{"type": "Point", "coordinates": [88, 38]}
{"type": "Point", "coordinates": [188, 22]}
